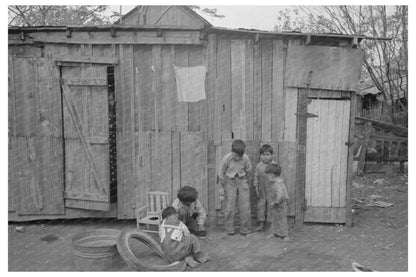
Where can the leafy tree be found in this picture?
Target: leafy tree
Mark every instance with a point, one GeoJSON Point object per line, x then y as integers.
{"type": "Point", "coordinates": [57, 15]}
{"type": "Point", "coordinates": [386, 61]}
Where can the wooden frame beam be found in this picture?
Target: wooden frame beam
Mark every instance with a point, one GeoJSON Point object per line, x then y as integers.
{"type": "Point", "coordinates": [105, 37]}
{"type": "Point", "coordinates": [348, 200]}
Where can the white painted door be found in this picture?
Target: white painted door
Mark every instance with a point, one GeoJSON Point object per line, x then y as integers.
{"type": "Point", "coordinates": [326, 160]}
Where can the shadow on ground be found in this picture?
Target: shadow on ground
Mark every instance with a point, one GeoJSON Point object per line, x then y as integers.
{"type": "Point", "coordinates": [378, 239]}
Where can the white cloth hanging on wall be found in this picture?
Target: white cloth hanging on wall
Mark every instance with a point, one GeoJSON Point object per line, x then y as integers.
{"type": "Point", "coordinates": [190, 83]}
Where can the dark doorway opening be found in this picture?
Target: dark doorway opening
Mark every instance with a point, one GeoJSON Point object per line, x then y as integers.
{"type": "Point", "coordinates": [112, 134]}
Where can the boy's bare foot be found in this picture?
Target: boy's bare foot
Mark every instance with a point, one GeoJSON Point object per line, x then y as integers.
{"type": "Point", "coordinates": [269, 236]}
{"type": "Point", "coordinates": [191, 262]}
{"type": "Point", "coordinates": [286, 238]}
{"type": "Point", "coordinates": [260, 227]}
{"type": "Point", "coordinates": [202, 257]}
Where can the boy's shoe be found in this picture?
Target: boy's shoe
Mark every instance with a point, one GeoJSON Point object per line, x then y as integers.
{"type": "Point", "coordinates": [260, 227]}
{"type": "Point", "coordinates": [202, 257]}
{"type": "Point", "coordinates": [230, 233]}
{"type": "Point", "coordinates": [191, 262]}
{"type": "Point", "coordinates": [201, 234]}
{"type": "Point", "coordinates": [245, 234]}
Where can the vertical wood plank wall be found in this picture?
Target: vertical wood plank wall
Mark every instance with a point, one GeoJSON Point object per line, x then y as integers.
{"type": "Point", "coordinates": [164, 144]}
{"type": "Point", "coordinates": [161, 144]}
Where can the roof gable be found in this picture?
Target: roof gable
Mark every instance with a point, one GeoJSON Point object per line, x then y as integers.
{"type": "Point", "coordinates": [182, 16]}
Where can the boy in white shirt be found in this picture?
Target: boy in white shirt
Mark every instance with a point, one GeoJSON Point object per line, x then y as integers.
{"type": "Point", "coordinates": [176, 240]}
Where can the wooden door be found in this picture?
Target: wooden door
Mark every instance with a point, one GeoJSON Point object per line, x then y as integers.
{"type": "Point", "coordinates": [86, 136]}
{"type": "Point", "coordinates": [326, 161]}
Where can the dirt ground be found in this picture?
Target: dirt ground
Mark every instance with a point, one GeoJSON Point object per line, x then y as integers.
{"type": "Point", "coordinates": [378, 239]}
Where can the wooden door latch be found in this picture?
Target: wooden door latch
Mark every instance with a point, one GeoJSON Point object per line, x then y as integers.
{"type": "Point", "coordinates": [307, 115]}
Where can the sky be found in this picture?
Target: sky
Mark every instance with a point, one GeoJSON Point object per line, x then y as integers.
{"type": "Point", "coordinates": [259, 17]}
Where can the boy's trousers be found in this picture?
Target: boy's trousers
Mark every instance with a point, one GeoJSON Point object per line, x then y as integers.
{"type": "Point", "coordinates": [277, 215]}
{"type": "Point", "coordinates": [177, 251]}
{"type": "Point", "coordinates": [261, 202]}
{"type": "Point", "coordinates": [237, 191]}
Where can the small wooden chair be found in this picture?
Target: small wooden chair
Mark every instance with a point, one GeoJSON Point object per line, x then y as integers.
{"type": "Point", "coordinates": [156, 202]}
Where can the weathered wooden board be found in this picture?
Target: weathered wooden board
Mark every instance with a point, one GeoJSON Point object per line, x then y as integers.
{"type": "Point", "coordinates": [156, 86]}
{"type": "Point", "coordinates": [161, 165]}
{"type": "Point", "coordinates": [181, 60]}
{"type": "Point", "coordinates": [25, 51]}
{"type": "Point", "coordinates": [344, 152]}
{"type": "Point", "coordinates": [218, 108]}
{"type": "Point", "coordinates": [69, 213]}
{"type": "Point", "coordinates": [257, 112]}
{"type": "Point", "coordinates": [301, 135]}
{"type": "Point", "coordinates": [212, 177]}
{"type": "Point", "coordinates": [168, 88]}
{"type": "Point", "coordinates": [287, 160]}
{"type": "Point", "coordinates": [194, 163]}
{"type": "Point", "coordinates": [291, 98]}
{"type": "Point", "coordinates": [325, 214]}
{"type": "Point", "coordinates": [143, 69]}
{"type": "Point", "coordinates": [326, 94]}
{"type": "Point", "coordinates": [249, 90]}
{"type": "Point", "coordinates": [218, 158]}
{"type": "Point", "coordinates": [326, 63]}
{"type": "Point", "coordinates": [49, 143]}
{"type": "Point", "coordinates": [143, 166]}
{"type": "Point", "coordinates": [351, 134]}
{"type": "Point", "coordinates": [238, 101]}
{"type": "Point", "coordinates": [176, 162]}
{"type": "Point", "coordinates": [26, 97]}
{"type": "Point", "coordinates": [266, 98]}
{"type": "Point", "coordinates": [195, 109]}
{"type": "Point", "coordinates": [224, 86]}
{"type": "Point", "coordinates": [122, 37]}
{"type": "Point", "coordinates": [11, 99]}
{"type": "Point", "coordinates": [210, 91]}
{"type": "Point", "coordinates": [30, 197]}
{"type": "Point", "coordinates": [12, 174]}
{"type": "Point", "coordinates": [125, 192]}
{"type": "Point", "coordinates": [278, 90]}
{"type": "Point", "coordinates": [138, 71]}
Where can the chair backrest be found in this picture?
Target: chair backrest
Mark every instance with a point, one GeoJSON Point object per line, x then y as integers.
{"type": "Point", "coordinates": [156, 201]}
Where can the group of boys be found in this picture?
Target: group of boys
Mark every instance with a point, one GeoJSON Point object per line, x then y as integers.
{"type": "Point", "coordinates": [184, 221]}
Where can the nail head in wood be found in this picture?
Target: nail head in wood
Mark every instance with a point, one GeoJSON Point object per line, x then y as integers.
{"type": "Point", "coordinates": [113, 33]}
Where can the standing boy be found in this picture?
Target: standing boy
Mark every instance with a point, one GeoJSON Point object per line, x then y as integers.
{"type": "Point", "coordinates": [260, 183]}
{"type": "Point", "coordinates": [277, 202]}
{"type": "Point", "coordinates": [233, 178]}
{"type": "Point", "coordinates": [190, 210]}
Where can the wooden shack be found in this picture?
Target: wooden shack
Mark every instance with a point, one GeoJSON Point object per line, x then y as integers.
{"type": "Point", "coordinates": [81, 95]}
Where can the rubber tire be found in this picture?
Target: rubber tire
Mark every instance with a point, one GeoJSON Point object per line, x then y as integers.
{"type": "Point", "coordinates": [134, 262]}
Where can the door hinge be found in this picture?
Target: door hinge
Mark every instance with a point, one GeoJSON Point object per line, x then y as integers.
{"type": "Point", "coordinates": [349, 143]}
